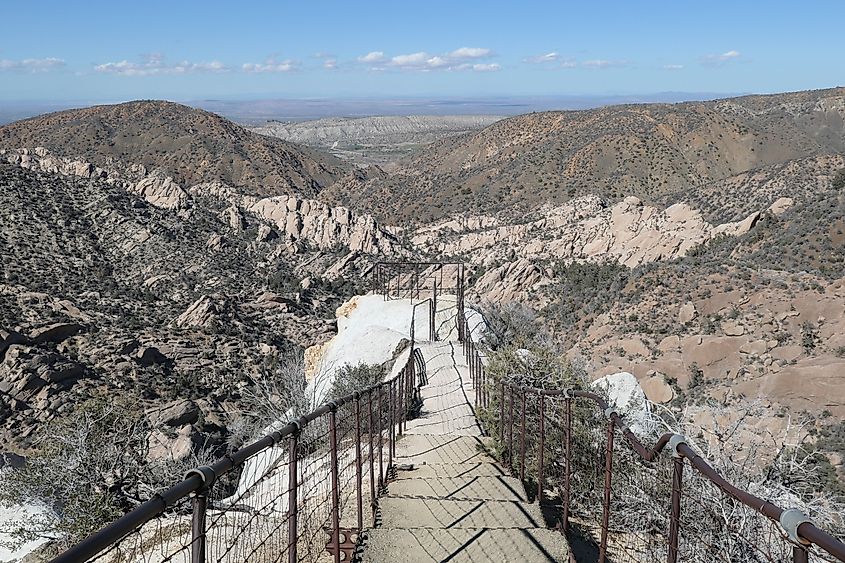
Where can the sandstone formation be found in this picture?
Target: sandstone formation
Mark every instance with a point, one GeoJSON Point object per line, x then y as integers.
{"type": "Point", "coordinates": [299, 219]}
{"type": "Point", "coordinates": [585, 229]}
{"type": "Point", "coordinates": [307, 220]}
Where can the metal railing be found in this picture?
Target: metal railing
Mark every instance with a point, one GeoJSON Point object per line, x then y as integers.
{"type": "Point", "coordinates": [473, 357]}
{"type": "Point", "coordinates": [561, 443]}
{"type": "Point", "coordinates": [274, 498]}
{"type": "Point", "coordinates": [412, 279]}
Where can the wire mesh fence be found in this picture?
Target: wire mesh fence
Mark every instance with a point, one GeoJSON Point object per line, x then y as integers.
{"type": "Point", "coordinates": [300, 492]}
{"type": "Point", "coordinates": [597, 481]}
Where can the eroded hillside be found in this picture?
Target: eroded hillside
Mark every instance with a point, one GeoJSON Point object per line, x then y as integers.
{"type": "Point", "coordinates": [655, 152]}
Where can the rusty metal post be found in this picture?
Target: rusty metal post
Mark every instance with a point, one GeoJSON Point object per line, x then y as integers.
{"type": "Point", "coordinates": [359, 477]}
{"type": "Point", "coordinates": [502, 413]}
{"type": "Point", "coordinates": [522, 439]}
{"type": "Point", "coordinates": [293, 501]}
{"type": "Point", "coordinates": [199, 504]}
{"type": "Point", "coordinates": [675, 516]}
{"type": "Point", "coordinates": [510, 426]}
{"type": "Point", "coordinates": [400, 397]}
{"type": "Point", "coordinates": [372, 453]}
{"type": "Point", "coordinates": [391, 428]}
{"type": "Point", "coordinates": [540, 453]}
{"type": "Point", "coordinates": [799, 554]}
{"type": "Point", "coordinates": [335, 541]}
{"type": "Point", "coordinates": [380, 441]}
{"type": "Point", "coordinates": [608, 477]}
{"type": "Point", "coordinates": [433, 311]}
{"type": "Point", "coordinates": [566, 469]}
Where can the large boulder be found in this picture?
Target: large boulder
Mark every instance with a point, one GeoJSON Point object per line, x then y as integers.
{"type": "Point", "coordinates": [8, 338]}
{"type": "Point", "coordinates": [177, 413]}
{"type": "Point", "coordinates": [202, 313]}
{"type": "Point", "coordinates": [628, 399]}
{"type": "Point", "coordinates": [161, 192]}
{"type": "Point", "coordinates": [149, 355]}
{"type": "Point", "coordinates": [55, 333]}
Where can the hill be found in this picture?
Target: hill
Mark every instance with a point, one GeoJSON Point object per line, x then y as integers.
{"type": "Point", "coordinates": [653, 151]}
{"type": "Point", "coordinates": [191, 145]}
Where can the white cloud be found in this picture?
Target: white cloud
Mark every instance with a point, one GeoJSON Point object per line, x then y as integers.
{"type": "Point", "coordinates": [330, 64]}
{"type": "Point", "coordinates": [486, 67]}
{"type": "Point", "coordinates": [457, 60]}
{"type": "Point", "coordinates": [155, 64]}
{"type": "Point", "coordinates": [470, 53]}
{"type": "Point", "coordinates": [718, 60]}
{"type": "Point", "coordinates": [412, 60]}
{"type": "Point", "coordinates": [372, 57]}
{"type": "Point", "coordinates": [32, 65]}
{"type": "Point", "coordinates": [551, 60]}
{"type": "Point", "coordinates": [271, 65]}
{"type": "Point", "coordinates": [673, 67]}
{"type": "Point", "coordinates": [603, 63]}
{"type": "Point", "coordinates": [547, 58]}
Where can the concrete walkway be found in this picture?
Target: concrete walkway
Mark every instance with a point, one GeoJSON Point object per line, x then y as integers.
{"type": "Point", "coordinates": [450, 500]}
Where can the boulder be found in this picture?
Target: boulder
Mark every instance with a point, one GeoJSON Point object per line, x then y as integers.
{"type": "Point", "coordinates": [628, 399]}
{"type": "Point", "coordinates": [177, 413]}
{"type": "Point", "coordinates": [164, 446]}
{"type": "Point", "coordinates": [233, 217]}
{"type": "Point", "coordinates": [202, 313]}
{"type": "Point", "coordinates": [9, 338]}
{"type": "Point", "coordinates": [215, 242]}
{"type": "Point", "coordinates": [55, 332]}
{"type": "Point", "coordinates": [161, 192]}
{"type": "Point", "coordinates": [149, 355]}
{"type": "Point", "coordinates": [687, 313]}
{"type": "Point", "coordinates": [657, 390]}
{"type": "Point", "coordinates": [265, 234]}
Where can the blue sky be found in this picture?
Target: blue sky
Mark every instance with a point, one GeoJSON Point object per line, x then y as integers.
{"type": "Point", "coordinates": [111, 51]}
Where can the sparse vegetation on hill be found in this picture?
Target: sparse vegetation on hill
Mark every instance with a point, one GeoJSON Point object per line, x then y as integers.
{"type": "Point", "coordinates": [654, 152]}
{"type": "Point", "coordinates": [191, 145]}
{"type": "Point", "coordinates": [104, 295]}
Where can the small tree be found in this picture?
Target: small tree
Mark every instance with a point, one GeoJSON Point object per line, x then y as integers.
{"type": "Point", "coordinates": [351, 378]}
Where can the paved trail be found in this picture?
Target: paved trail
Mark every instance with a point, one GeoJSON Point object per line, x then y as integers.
{"type": "Point", "coordinates": [457, 503]}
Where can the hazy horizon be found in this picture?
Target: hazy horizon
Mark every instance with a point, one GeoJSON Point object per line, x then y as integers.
{"type": "Point", "coordinates": [248, 110]}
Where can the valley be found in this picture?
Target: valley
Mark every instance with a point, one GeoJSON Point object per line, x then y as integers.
{"type": "Point", "coordinates": [167, 259]}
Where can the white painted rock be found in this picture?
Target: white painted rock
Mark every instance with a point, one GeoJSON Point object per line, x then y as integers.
{"type": "Point", "coordinates": [628, 399]}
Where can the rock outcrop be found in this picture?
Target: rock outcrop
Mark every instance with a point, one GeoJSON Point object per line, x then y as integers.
{"type": "Point", "coordinates": [299, 219]}
{"type": "Point", "coordinates": [305, 220]}
{"type": "Point", "coordinates": [584, 229]}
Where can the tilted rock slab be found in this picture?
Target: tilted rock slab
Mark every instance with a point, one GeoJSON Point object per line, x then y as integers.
{"type": "Point", "coordinates": [308, 220]}
{"type": "Point", "coordinates": [585, 229]}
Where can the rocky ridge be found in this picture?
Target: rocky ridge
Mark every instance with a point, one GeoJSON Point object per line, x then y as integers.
{"type": "Point", "coordinates": [585, 229]}
{"type": "Point", "coordinates": [108, 293]}
{"type": "Point", "coordinates": [298, 220]}
{"type": "Point", "coordinates": [656, 152]}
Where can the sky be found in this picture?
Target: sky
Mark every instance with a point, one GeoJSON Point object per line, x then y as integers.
{"type": "Point", "coordinates": [184, 50]}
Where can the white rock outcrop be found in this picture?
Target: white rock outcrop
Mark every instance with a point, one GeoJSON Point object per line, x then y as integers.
{"type": "Point", "coordinates": [628, 399]}
{"type": "Point", "coordinates": [308, 220]}
{"type": "Point", "coordinates": [584, 229]}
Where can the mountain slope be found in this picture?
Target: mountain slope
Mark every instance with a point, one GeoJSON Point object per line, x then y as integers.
{"type": "Point", "coordinates": [105, 295]}
{"type": "Point", "coordinates": [650, 151]}
{"type": "Point", "coordinates": [189, 144]}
